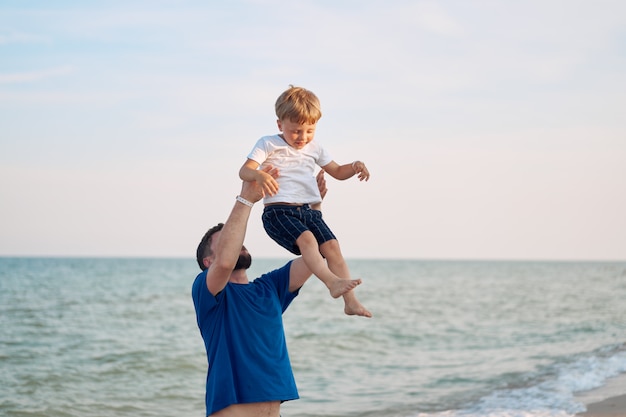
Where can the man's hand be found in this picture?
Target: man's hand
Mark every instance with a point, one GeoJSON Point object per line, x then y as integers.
{"type": "Point", "coordinates": [321, 183]}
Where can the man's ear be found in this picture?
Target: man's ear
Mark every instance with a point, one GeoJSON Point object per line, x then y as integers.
{"type": "Point", "coordinates": [206, 262]}
{"type": "Point", "coordinates": [280, 125]}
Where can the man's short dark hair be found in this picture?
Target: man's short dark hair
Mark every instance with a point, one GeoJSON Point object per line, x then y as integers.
{"type": "Point", "coordinates": [204, 247]}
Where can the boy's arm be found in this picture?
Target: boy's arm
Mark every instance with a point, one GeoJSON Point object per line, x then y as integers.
{"type": "Point", "coordinates": [343, 172]}
{"type": "Point", "coordinates": [249, 172]}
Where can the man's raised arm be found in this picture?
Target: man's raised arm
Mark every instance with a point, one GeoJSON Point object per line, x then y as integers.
{"type": "Point", "coordinates": [230, 241]}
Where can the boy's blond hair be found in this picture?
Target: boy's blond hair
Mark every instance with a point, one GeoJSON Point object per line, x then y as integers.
{"type": "Point", "coordinates": [298, 105]}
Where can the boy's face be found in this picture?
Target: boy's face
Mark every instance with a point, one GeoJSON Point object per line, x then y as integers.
{"type": "Point", "coordinates": [295, 134]}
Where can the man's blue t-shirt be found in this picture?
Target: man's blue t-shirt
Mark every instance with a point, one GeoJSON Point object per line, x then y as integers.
{"type": "Point", "coordinates": [244, 339]}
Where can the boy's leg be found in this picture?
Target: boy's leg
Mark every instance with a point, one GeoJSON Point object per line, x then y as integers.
{"type": "Point", "coordinates": [288, 227]}
{"type": "Point", "coordinates": [337, 264]}
{"type": "Point", "coordinates": [313, 259]}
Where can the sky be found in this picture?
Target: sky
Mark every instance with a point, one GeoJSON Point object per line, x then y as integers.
{"type": "Point", "coordinates": [491, 129]}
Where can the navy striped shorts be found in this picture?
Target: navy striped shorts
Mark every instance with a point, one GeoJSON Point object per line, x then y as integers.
{"type": "Point", "coordinates": [285, 224]}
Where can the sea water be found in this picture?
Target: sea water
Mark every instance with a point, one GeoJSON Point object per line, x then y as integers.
{"type": "Point", "coordinates": [118, 337]}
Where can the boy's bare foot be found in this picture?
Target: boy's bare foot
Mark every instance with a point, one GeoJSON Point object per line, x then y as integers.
{"type": "Point", "coordinates": [354, 308]}
{"type": "Point", "coordinates": [341, 286]}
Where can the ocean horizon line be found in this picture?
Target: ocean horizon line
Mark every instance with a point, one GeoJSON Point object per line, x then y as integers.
{"type": "Point", "coordinates": [286, 258]}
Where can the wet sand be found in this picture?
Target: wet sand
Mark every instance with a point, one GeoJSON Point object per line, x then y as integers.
{"type": "Point", "coordinates": [611, 407]}
{"type": "Point", "coordinates": [606, 401]}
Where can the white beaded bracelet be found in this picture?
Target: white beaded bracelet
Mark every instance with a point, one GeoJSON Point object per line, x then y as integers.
{"type": "Point", "coordinates": [244, 201]}
{"type": "Point", "coordinates": [353, 168]}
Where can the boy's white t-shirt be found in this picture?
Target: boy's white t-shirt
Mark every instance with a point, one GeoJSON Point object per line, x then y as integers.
{"type": "Point", "coordinates": [296, 167]}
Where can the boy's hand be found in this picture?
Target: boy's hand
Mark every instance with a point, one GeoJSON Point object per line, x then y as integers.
{"type": "Point", "coordinates": [266, 178]}
{"type": "Point", "coordinates": [253, 190]}
{"type": "Point", "coordinates": [361, 170]}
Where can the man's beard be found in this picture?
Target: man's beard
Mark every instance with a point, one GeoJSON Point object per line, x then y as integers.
{"type": "Point", "coordinates": [244, 261]}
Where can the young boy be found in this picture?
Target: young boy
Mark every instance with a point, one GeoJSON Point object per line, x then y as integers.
{"type": "Point", "coordinates": [291, 216]}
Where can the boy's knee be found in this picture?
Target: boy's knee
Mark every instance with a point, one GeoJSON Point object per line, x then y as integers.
{"type": "Point", "coordinates": [330, 248]}
{"type": "Point", "coordinates": [306, 238]}
{"type": "Point", "coordinates": [332, 243]}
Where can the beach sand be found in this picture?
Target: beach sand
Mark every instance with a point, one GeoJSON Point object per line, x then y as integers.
{"type": "Point", "coordinates": [611, 407]}
{"type": "Point", "coordinates": [606, 401]}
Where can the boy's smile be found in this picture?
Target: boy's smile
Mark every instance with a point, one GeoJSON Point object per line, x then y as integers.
{"type": "Point", "coordinates": [297, 135]}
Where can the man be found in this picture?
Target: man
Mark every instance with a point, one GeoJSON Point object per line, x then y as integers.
{"type": "Point", "coordinates": [249, 372]}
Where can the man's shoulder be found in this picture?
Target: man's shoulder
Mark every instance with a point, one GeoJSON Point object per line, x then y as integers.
{"type": "Point", "coordinates": [277, 278]}
{"type": "Point", "coordinates": [196, 287]}
{"type": "Point", "coordinates": [277, 273]}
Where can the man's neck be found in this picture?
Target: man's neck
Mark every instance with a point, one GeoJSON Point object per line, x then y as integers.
{"type": "Point", "coordinates": [239, 277]}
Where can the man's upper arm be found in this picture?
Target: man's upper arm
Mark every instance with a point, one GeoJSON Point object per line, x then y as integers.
{"type": "Point", "coordinates": [217, 278]}
{"type": "Point", "coordinates": [298, 274]}
{"type": "Point", "coordinates": [203, 300]}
